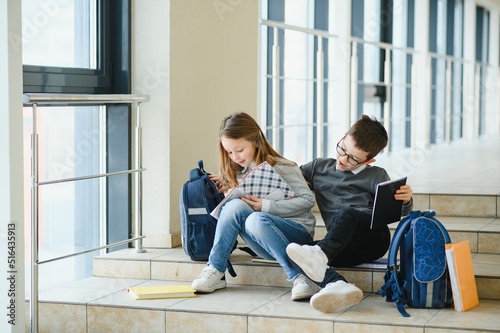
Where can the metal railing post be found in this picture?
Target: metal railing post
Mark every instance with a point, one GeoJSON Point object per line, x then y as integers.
{"type": "Point", "coordinates": [388, 96]}
{"type": "Point", "coordinates": [448, 88]}
{"type": "Point", "coordinates": [138, 181]}
{"type": "Point", "coordinates": [354, 83]}
{"type": "Point", "coordinates": [320, 91]}
{"type": "Point", "coordinates": [34, 224]}
{"type": "Point", "coordinates": [276, 87]}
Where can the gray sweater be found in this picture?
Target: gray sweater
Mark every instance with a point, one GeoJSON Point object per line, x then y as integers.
{"type": "Point", "coordinates": [299, 207]}
{"type": "Point", "coordinates": [336, 189]}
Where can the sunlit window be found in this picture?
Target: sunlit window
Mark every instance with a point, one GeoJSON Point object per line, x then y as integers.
{"type": "Point", "coordinates": [302, 114]}
{"type": "Point", "coordinates": [59, 33]}
{"type": "Point", "coordinates": [69, 213]}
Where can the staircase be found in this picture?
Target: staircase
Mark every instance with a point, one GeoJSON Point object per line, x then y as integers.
{"type": "Point", "coordinates": [258, 299]}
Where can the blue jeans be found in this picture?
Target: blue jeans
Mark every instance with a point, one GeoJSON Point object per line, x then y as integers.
{"type": "Point", "coordinates": [266, 234]}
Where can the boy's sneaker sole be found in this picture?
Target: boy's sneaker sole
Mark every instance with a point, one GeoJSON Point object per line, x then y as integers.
{"type": "Point", "coordinates": [311, 261]}
{"type": "Point", "coordinates": [336, 296]}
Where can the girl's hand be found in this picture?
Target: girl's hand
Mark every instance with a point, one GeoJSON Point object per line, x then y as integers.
{"type": "Point", "coordinates": [255, 203]}
{"type": "Point", "coordinates": [218, 183]}
{"type": "Point", "coordinates": [404, 194]}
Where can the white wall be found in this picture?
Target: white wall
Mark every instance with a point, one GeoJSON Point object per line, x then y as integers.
{"type": "Point", "coordinates": [469, 70]}
{"type": "Point", "coordinates": [11, 169]}
{"type": "Point", "coordinates": [198, 62]}
{"type": "Point", "coordinates": [420, 125]}
{"type": "Point", "coordinates": [150, 75]}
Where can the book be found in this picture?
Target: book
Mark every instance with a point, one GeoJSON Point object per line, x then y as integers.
{"type": "Point", "coordinates": [265, 261]}
{"type": "Point", "coordinates": [261, 182]}
{"type": "Point", "coordinates": [463, 281]}
{"type": "Point", "coordinates": [154, 292]}
{"type": "Point", "coordinates": [380, 263]}
{"type": "Point", "coordinates": [386, 209]}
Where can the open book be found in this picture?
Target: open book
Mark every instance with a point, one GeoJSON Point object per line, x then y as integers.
{"type": "Point", "coordinates": [261, 182]}
{"type": "Point", "coordinates": [386, 209]}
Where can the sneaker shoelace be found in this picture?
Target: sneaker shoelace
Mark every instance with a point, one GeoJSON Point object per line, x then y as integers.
{"type": "Point", "coordinates": [207, 273]}
{"type": "Point", "coordinates": [300, 279]}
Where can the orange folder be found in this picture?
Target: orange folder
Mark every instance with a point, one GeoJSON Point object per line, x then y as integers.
{"type": "Point", "coordinates": [463, 282]}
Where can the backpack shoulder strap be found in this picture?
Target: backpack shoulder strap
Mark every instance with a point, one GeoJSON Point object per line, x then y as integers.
{"type": "Point", "coordinates": [392, 286]}
{"type": "Point", "coordinates": [401, 230]}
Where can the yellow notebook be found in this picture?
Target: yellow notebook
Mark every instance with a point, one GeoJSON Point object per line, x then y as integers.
{"type": "Point", "coordinates": [152, 292]}
{"type": "Point", "coordinates": [463, 282]}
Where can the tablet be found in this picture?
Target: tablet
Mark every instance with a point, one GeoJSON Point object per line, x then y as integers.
{"type": "Point", "coordinates": [386, 209]}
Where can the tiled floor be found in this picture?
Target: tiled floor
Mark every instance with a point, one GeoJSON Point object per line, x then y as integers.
{"type": "Point", "coordinates": [109, 309]}
{"type": "Point", "coordinates": [101, 304]}
{"type": "Point", "coordinates": [459, 167]}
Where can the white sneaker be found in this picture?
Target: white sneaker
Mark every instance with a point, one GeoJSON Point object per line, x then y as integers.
{"type": "Point", "coordinates": [303, 288]}
{"type": "Point", "coordinates": [311, 259]}
{"type": "Point", "coordinates": [335, 296]}
{"type": "Point", "coordinates": [209, 280]}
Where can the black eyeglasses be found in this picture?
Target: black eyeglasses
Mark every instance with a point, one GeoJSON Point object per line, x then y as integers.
{"type": "Point", "coordinates": [342, 152]}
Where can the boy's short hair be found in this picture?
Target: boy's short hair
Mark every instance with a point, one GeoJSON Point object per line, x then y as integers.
{"type": "Point", "coordinates": [369, 135]}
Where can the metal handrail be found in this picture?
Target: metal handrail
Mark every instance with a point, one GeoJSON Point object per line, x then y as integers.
{"type": "Point", "coordinates": [36, 99]}
{"type": "Point", "coordinates": [285, 26]}
{"type": "Point", "coordinates": [91, 250]}
{"type": "Point", "coordinates": [82, 99]}
{"type": "Point", "coordinates": [72, 179]}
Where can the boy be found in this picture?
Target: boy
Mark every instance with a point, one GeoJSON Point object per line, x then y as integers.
{"type": "Point", "coordinates": [345, 190]}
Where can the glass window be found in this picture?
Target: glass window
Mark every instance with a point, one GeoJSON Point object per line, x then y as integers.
{"type": "Point", "coordinates": [70, 143]}
{"type": "Point", "coordinates": [446, 45]}
{"type": "Point", "coordinates": [307, 126]}
{"type": "Point", "coordinates": [297, 113]}
{"type": "Point", "coordinates": [60, 33]}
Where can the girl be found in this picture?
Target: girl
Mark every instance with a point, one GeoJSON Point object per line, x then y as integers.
{"type": "Point", "coordinates": [266, 226]}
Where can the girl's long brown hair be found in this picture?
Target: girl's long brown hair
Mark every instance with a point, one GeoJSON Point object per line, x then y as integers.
{"type": "Point", "coordinates": [237, 126]}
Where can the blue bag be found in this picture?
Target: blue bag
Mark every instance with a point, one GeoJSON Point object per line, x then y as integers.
{"type": "Point", "coordinates": [422, 280]}
{"type": "Point", "coordinates": [198, 198]}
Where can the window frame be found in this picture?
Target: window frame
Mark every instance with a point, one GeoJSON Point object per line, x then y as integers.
{"type": "Point", "coordinates": [52, 79]}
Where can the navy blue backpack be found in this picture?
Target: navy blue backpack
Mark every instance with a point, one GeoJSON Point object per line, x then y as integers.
{"type": "Point", "coordinates": [421, 280]}
{"type": "Point", "coordinates": [198, 198]}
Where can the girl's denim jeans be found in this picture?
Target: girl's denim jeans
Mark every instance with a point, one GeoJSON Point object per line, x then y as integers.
{"type": "Point", "coordinates": [266, 234]}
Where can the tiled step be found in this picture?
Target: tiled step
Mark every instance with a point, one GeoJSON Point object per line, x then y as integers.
{"type": "Point", "coordinates": [102, 305]}
{"type": "Point", "coordinates": [173, 264]}
{"type": "Point", "coordinates": [482, 233]}
{"type": "Point", "coordinates": [459, 205]}
{"type": "Point", "coordinates": [258, 299]}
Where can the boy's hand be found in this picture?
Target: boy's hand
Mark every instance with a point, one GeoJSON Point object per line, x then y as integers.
{"type": "Point", "coordinates": [404, 193]}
